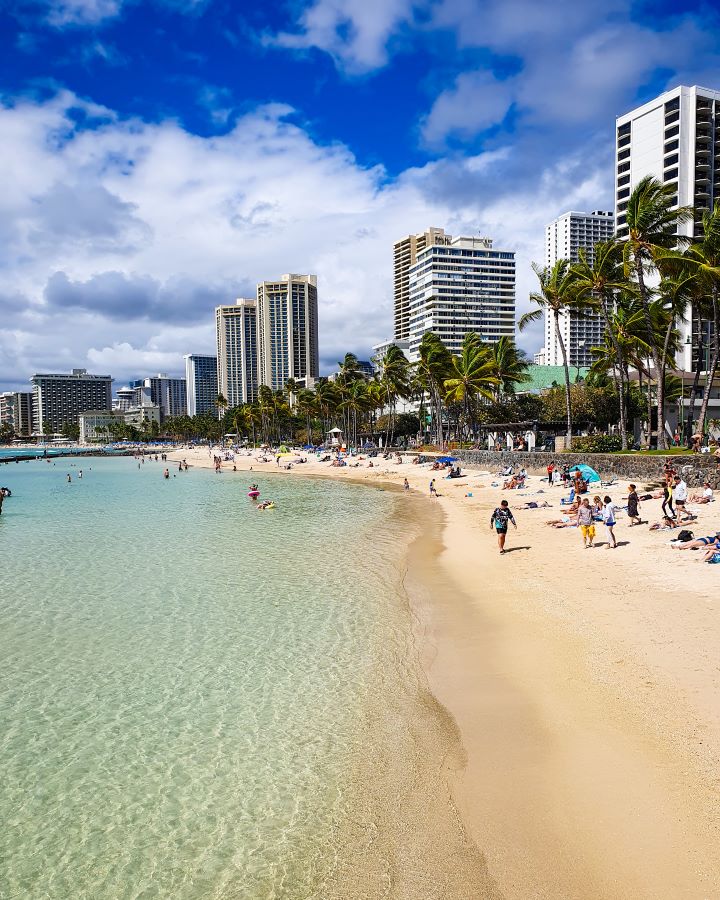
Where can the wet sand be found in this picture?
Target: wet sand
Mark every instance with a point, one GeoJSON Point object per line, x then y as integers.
{"type": "Point", "coordinates": [584, 686]}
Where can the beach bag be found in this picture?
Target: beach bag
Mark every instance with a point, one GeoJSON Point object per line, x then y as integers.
{"type": "Point", "coordinates": [715, 558]}
{"type": "Point", "coordinates": [685, 535]}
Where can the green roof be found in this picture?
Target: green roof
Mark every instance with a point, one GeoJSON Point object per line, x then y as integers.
{"type": "Point", "coordinates": [541, 377]}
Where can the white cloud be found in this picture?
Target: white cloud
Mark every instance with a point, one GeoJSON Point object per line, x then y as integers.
{"type": "Point", "coordinates": [81, 12]}
{"type": "Point", "coordinates": [355, 34]}
{"type": "Point", "coordinates": [476, 101]}
{"type": "Point", "coordinates": [123, 238]}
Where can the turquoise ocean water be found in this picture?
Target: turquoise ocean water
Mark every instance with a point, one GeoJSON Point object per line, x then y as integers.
{"type": "Point", "coordinates": [194, 694]}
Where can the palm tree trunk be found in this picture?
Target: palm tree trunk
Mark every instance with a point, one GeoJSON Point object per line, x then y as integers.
{"type": "Point", "coordinates": [695, 390]}
{"type": "Point", "coordinates": [568, 411]}
{"type": "Point", "coordinates": [714, 360]}
{"type": "Point", "coordinates": [618, 356]}
{"type": "Point", "coordinates": [645, 300]}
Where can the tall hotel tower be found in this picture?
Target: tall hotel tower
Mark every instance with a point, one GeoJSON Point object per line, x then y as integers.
{"type": "Point", "coordinates": [405, 253]}
{"type": "Point", "coordinates": [287, 319]}
{"type": "Point", "coordinates": [676, 139]}
{"type": "Point", "coordinates": [564, 238]}
{"type": "Point", "coordinates": [461, 286]}
{"type": "Point", "coordinates": [237, 356]}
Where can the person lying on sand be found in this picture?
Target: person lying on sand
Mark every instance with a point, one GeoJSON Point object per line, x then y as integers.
{"type": "Point", "coordinates": [666, 524]}
{"type": "Point", "coordinates": [531, 504]}
{"type": "Point", "coordinates": [564, 522]}
{"type": "Point", "coordinates": [698, 543]}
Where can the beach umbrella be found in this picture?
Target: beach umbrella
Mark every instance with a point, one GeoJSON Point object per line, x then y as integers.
{"type": "Point", "coordinates": [588, 473]}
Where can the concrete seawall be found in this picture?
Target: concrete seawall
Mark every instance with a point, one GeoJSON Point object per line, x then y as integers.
{"type": "Point", "coordinates": [701, 467]}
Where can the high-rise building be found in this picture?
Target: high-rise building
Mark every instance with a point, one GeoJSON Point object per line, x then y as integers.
{"type": "Point", "coordinates": [676, 139]}
{"type": "Point", "coordinates": [459, 287]}
{"type": "Point", "coordinates": [287, 313]}
{"type": "Point", "coordinates": [201, 375]}
{"type": "Point", "coordinates": [237, 351]}
{"type": "Point", "coordinates": [16, 411]}
{"type": "Point", "coordinates": [564, 238]}
{"type": "Point", "coordinates": [405, 253]}
{"type": "Point", "coordinates": [169, 394]}
{"type": "Point", "coordinates": [59, 399]}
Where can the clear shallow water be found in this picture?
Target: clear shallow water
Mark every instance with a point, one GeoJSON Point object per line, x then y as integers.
{"type": "Point", "coordinates": [194, 694]}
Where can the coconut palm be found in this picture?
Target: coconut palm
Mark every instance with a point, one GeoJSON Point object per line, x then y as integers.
{"type": "Point", "coordinates": [509, 366]}
{"type": "Point", "coordinates": [472, 376]}
{"type": "Point", "coordinates": [433, 367]}
{"type": "Point", "coordinates": [652, 222]}
{"type": "Point", "coordinates": [598, 283]}
{"type": "Point", "coordinates": [394, 370]}
{"type": "Point", "coordinates": [705, 255]}
{"type": "Point", "coordinates": [557, 296]}
{"type": "Point", "coordinates": [221, 404]}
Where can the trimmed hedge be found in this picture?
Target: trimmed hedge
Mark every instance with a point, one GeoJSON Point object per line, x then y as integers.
{"type": "Point", "coordinates": [597, 443]}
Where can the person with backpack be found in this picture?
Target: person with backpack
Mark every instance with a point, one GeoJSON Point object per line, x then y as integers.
{"type": "Point", "coordinates": [499, 520]}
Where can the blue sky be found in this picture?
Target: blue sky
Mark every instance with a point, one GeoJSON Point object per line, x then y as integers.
{"type": "Point", "coordinates": [161, 157]}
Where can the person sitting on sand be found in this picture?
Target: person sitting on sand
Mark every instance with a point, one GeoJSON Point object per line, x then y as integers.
{"type": "Point", "coordinates": [707, 495]}
{"type": "Point", "coordinates": [712, 554]}
{"type": "Point", "coordinates": [597, 507]}
{"type": "Point", "coordinates": [698, 543]}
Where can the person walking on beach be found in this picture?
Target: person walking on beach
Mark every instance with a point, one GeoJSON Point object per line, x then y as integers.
{"type": "Point", "coordinates": [406, 485]}
{"type": "Point", "coordinates": [608, 515]}
{"type": "Point", "coordinates": [633, 507]}
{"type": "Point", "coordinates": [499, 520]}
{"type": "Point", "coordinates": [667, 504]}
{"type": "Point", "coordinates": [550, 470]}
{"type": "Point", "coordinates": [433, 492]}
{"type": "Point", "coordinates": [680, 493]}
{"type": "Point", "coordinates": [586, 523]}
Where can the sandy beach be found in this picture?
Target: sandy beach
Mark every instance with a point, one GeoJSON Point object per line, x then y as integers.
{"type": "Point", "coordinates": [585, 685]}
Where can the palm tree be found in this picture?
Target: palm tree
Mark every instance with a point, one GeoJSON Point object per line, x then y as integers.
{"type": "Point", "coordinates": [394, 378]}
{"type": "Point", "coordinates": [652, 224]}
{"type": "Point", "coordinates": [473, 375]}
{"type": "Point", "coordinates": [306, 406]}
{"type": "Point", "coordinates": [706, 256]}
{"type": "Point", "coordinates": [509, 366]}
{"type": "Point", "coordinates": [221, 404]}
{"type": "Point", "coordinates": [433, 367]}
{"type": "Point", "coordinates": [557, 296]}
{"type": "Point", "coordinates": [598, 284]}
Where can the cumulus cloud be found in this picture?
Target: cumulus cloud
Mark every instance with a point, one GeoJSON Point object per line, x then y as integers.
{"type": "Point", "coordinates": [355, 34]}
{"type": "Point", "coordinates": [127, 235]}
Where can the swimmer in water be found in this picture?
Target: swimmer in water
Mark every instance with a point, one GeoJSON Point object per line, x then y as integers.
{"type": "Point", "coordinates": [69, 479]}
{"type": "Point", "coordinates": [166, 474]}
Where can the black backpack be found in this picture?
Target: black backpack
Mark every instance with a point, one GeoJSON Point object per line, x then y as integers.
{"type": "Point", "coordinates": [685, 536]}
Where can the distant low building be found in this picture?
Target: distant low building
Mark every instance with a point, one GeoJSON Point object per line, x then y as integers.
{"type": "Point", "coordinates": [540, 378]}
{"type": "Point", "coordinates": [94, 425]}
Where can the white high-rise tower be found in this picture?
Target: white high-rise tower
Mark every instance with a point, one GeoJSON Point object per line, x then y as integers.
{"type": "Point", "coordinates": [676, 139]}
{"type": "Point", "coordinates": [564, 238]}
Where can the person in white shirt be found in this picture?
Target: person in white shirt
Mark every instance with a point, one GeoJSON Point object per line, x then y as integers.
{"type": "Point", "coordinates": [608, 514]}
{"type": "Point", "coordinates": [707, 495]}
{"type": "Point", "coordinates": [680, 493]}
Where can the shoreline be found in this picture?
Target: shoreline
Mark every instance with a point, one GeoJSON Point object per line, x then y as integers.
{"type": "Point", "coordinates": [584, 692]}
